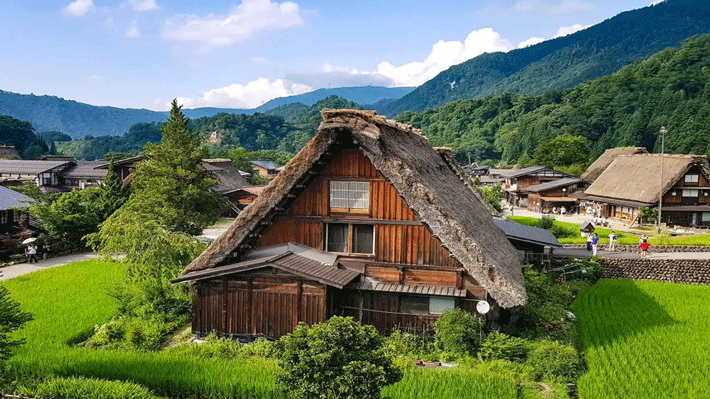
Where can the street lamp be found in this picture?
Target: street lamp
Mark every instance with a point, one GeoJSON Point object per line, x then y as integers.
{"type": "Point", "coordinates": [662, 132]}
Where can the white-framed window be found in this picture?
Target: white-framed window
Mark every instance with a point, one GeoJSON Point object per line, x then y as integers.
{"type": "Point", "coordinates": [705, 217]}
{"type": "Point", "coordinates": [690, 193]}
{"type": "Point", "coordinates": [350, 238]}
{"type": "Point", "coordinates": [349, 194]}
{"type": "Point", "coordinates": [691, 178]}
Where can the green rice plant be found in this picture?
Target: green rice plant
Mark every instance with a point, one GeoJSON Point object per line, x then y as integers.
{"type": "Point", "coordinates": [88, 388]}
{"type": "Point", "coordinates": [460, 383]}
{"type": "Point", "coordinates": [644, 339]}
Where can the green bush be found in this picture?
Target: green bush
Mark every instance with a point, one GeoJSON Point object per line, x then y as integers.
{"type": "Point", "coordinates": [547, 312]}
{"type": "Point", "coordinates": [562, 231]}
{"type": "Point", "coordinates": [458, 332]}
{"type": "Point", "coordinates": [551, 360]}
{"type": "Point", "coordinates": [505, 347]}
{"type": "Point", "coordinates": [546, 222]}
{"type": "Point", "coordinates": [87, 388]}
{"type": "Point", "coordinates": [407, 344]}
{"type": "Point", "coordinates": [339, 358]}
{"type": "Point", "coordinates": [262, 347]}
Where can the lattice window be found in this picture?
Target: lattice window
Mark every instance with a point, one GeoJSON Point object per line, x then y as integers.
{"type": "Point", "coordinates": [350, 194]}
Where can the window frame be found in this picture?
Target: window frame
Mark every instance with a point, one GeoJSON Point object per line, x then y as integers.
{"type": "Point", "coordinates": [351, 187]}
{"type": "Point", "coordinates": [350, 238]}
{"type": "Point", "coordinates": [692, 182]}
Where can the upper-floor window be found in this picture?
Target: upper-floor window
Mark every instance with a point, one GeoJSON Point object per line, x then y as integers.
{"type": "Point", "coordinates": [350, 195]}
{"type": "Point", "coordinates": [690, 193]}
{"type": "Point", "coordinates": [350, 238]}
{"type": "Point", "coordinates": [692, 179]}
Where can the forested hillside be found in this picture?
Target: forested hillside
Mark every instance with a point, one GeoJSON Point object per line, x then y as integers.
{"type": "Point", "coordinates": [564, 62]}
{"type": "Point", "coordinates": [50, 113]}
{"type": "Point", "coordinates": [21, 135]}
{"type": "Point", "coordinates": [287, 128]}
{"type": "Point", "coordinates": [628, 108]}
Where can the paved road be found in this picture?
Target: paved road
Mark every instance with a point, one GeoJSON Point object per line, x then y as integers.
{"type": "Point", "coordinates": [583, 253]}
{"type": "Point", "coordinates": [19, 269]}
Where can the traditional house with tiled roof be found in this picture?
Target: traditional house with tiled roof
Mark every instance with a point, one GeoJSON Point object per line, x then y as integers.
{"type": "Point", "coordinates": [368, 221]}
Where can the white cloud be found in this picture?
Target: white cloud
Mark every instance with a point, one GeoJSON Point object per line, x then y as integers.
{"type": "Point", "coordinates": [143, 5]}
{"type": "Point", "coordinates": [563, 7]}
{"type": "Point", "coordinates": [132, 32]}
{"type": "Point", "coordinates": [243, 21]}
{"type": "Point", "coordinates": [531, 42]}
{"type": "Point", "coordinates": [653, 3]}
{"type": "Point", "coordinates": [250, 95]}
{"type": "Point", "coordinates": [78, 8]}
{"type": "Point", "coordinates": [443, 55]}
{"type": "Point", "coordinates": [568, 30]}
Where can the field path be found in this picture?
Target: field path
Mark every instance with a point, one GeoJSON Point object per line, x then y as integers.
{"type": "Point", "coordinates": [20, 269]}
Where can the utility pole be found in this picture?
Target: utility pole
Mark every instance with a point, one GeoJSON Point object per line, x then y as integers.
{"type": "Point", "coordinates": [660, 183]}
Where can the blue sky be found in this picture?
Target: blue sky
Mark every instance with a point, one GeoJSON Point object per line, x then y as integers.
{"type": "Point", "coordinates": [240, 54]}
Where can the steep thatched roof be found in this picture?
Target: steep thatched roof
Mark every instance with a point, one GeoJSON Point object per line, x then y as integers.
{"type": "Point", "coordinates": [422, 178]}
{"type": "Point", "coordinates": [637, 177]}
{"type": "Point", "coordinates": [228, 177]}
{"type": "Point", "coordinates": [597, 167]}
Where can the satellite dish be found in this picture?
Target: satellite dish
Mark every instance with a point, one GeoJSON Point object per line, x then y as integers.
{"type": "Point", "coordinates": [483, 307]}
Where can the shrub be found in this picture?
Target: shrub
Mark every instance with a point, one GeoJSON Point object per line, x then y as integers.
{"type": "Point", "coordinates": [458, 332]}
{"type": "Point", "coordinates": [338, 358]}
{"type": "Point", "coordinates": [546, 222]}
{"type": "Point", "coordinates": [407, 344]}
{"type": "Point", "coordinates": [87, 388]}
{"type": "Point", "coordinates": [501, 346]}
{"type": "Point", "coordinates": [262, 347]}
{"type": "Point", "coordinates": [552, 360]}
{"type": "Point", "coordinates": [560, 231]}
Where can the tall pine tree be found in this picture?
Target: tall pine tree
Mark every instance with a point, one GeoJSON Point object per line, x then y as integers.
{"type": "Point", "coordinates": [170, 203]}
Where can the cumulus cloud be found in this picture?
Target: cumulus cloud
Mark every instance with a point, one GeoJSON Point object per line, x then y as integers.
{"type": "Point", "coordinates": [143, 5]}
{"type": "Point", "coordinates": [78, 8]}
{"type": "Point", "coordinates": [245, 20]}
{"type": "Point", "coordinates": [531, 42]}
{"type": "Point", "coordinates": [562, 7]}
{"type": "Point", "coordinates": [250, 95]}
{"type": "Point", "coordinates": [443, 55]}
{"type": "Point", "coordinates": [568, 30]}
{"type": "Point", "coordinates": [132, 32]}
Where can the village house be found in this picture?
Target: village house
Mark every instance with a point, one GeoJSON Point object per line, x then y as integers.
{"type": "Point", "coordinates": [47, 174]}
{"type": "Point", "coordinates": [631, 182]}
{"type": "Point", "coordinates": [516, 180]}
{"type": "Point", "coordinates": [552, 196]}
{"type": "Point", "coordinates": [367, 221]}
{"type": "Point", "coordinates": [83, 174]}
{"type": "Point", "coordinates": [267, 169]}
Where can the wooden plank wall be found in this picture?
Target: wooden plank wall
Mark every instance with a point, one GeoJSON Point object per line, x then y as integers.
{"type": "Point", "coordinates": [395, 243]}
{"type": "Point", "coordinates": [256, 306]}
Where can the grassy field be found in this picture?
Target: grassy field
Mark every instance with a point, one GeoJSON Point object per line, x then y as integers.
{"type": "Point", "coordinates": [67, 302]}
{"type": "Point", "coordinates": [644, 340]}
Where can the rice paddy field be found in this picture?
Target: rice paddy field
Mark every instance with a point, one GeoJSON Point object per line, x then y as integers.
{"type": "Point", "coordinates": [645, 339]}
{"type": "Point", "coordinates": [68, 302]}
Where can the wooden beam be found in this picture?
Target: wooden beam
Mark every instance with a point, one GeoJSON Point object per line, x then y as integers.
{"type": "Point", "coordinates": [250, 313]}
{"type": "Point", "coordinates": [224, 304]}
{"type": "Point", "coordinates": [357, 220]}
{"type": "Point", "coordinates": [297, 303]}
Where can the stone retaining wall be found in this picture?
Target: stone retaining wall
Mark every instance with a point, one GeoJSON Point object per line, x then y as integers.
{"type": "Point", "coordinates": [652, 248]}
{"type": "Point", "coordinates": [688, 271]}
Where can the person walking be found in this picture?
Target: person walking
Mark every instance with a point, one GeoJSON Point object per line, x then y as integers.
{"type": "Point", "coordinates": [589, 242]}
{"type": "Point", "coordinates": [595, 244]}
{"type": "Point", "coordinates": [643, 245]}
{"type": "Point", "coordinates": [612, 241]}
{"type": "Point", "coordinates": [32, 253]}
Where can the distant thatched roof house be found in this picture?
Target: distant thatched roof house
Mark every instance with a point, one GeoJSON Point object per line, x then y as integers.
{"type": "Point", "coordinates": [634, 181]}
{"type": "Point", "coordinates": [597, 167]}
{"type": "Point", "coordinates": [423, 225]}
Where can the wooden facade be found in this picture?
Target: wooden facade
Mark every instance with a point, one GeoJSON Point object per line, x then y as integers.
{"type": "Point", "coordinates": [404, 252]}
